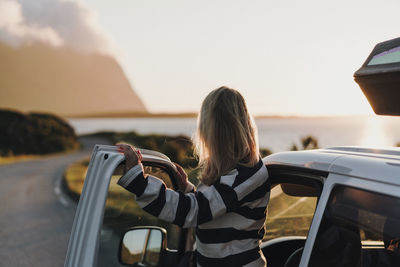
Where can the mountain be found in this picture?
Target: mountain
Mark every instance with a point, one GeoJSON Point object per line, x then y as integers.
{"type": "Point", "coordinates": [42, 78]}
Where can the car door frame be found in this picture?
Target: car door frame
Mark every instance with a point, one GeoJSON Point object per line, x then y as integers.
{"type": "Point", "coordinates": [85, 234]}
{"type": "Point", "coordinates": [281, 173]}
{"type": "Point", "coordinates": [332, 181]}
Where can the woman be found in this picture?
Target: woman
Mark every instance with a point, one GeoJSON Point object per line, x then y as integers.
{"type": "Point", "coordinates": [228, 208]}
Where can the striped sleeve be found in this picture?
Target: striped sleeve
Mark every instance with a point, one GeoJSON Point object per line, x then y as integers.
{"type": "Point", "coordinates": [186, 209]}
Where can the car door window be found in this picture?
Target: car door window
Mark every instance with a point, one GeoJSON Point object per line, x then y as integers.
{"type": "Point", "coordinates": [293, 200]}
{"type": "Point", "coordinates": [122, 212]}
{"type": "Point", "coordinates": [289, 215]}
{"type": "Point", "coordinates": [358, 228]}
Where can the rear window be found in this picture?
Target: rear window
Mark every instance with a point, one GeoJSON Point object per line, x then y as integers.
{"type": "Point", "coordinates": [387, 57]}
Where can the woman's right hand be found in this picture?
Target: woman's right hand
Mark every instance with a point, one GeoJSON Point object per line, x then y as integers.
{"type": "Point", "coordinates": [182, 178]}
{"type": "Point", "coordinates": [132, 156]}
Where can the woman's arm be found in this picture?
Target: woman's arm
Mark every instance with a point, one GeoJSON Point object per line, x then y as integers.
{"type": "Point", "coordinates": [190, 209]}
{"type": "Point", "coordinates": [185, 210]}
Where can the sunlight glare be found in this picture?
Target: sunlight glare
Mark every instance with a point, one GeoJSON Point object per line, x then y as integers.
{"type": "Point", "coordinates": [374, 134]}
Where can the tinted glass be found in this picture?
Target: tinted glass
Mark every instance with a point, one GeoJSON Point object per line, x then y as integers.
{"type": "Point", "coordinates": [390, 56]}
{"type": "Point", "coordinates": [359, 228]}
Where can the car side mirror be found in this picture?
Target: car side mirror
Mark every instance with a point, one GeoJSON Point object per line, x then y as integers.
{"type": "Point", "coordinates": [143, 246]}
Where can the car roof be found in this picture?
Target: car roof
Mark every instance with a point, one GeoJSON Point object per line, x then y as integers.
{"type": "Point", "coordinates": [377, 164]}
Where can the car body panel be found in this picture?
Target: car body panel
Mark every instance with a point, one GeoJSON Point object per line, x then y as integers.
{"type": "Point", "coordinates": [368, 168]}
{"type": "Point", "coordinates": [381, 165]}
{"type": "Point", "coordinates": [311, 159]}
{"type": "Point", "coordinates": [84, 238]}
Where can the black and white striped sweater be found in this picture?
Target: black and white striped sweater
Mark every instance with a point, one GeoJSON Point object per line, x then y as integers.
{"type": "Point", "coordinates": [229, 216]}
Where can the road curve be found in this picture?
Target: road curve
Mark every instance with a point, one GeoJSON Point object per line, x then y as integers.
{"type": "Point", "coordinates": [35, 221]}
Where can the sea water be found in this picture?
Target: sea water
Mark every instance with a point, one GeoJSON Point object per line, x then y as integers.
{"type": "Point", "coordinates": [276, 134]}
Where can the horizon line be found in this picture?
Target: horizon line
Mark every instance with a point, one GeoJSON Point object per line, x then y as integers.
{"type": "Point", "coordinates": [195, 114]}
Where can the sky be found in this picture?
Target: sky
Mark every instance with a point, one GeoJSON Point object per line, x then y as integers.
{"type": "Point", "coordinates": [285, 57]}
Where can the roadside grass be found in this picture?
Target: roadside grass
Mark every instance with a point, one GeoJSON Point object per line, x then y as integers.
{"type": "Point", "coordinates": [74, 178]}
{"type": "Point", "coordinates": [119, 201]}
{"type": "Point", "coordinates": [287, 215]}
{"type": "Point", "coordinates": [27, 157]}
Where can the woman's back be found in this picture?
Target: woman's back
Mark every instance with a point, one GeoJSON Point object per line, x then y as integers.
{"type": "Point", "coordinates": [233, 239]}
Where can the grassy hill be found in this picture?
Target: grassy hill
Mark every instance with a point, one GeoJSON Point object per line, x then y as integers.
{"type": "Point", "coordinates": [41, 78]}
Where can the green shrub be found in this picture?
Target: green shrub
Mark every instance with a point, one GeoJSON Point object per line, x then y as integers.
{"type": "Point", "coordinates": [34, 133]}
{"type": "Point", "coordinates": [307, 142]}
{"type": "Point", "coordinates": [178, 148]}
{"type": "Point", "coordinates": [265, 152]}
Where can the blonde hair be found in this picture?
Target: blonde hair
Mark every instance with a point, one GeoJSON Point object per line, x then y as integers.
{"type": "Point", "coordinates": [226, 135]}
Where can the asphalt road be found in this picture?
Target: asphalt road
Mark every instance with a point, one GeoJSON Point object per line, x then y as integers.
{"type": "Point", "coordinates": [35, 217]}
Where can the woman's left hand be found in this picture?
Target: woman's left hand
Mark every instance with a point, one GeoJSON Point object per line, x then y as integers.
{"type": "Point", "coordinates": [182, 178]}
{"type": "Point", "coordinates": [132, 156]}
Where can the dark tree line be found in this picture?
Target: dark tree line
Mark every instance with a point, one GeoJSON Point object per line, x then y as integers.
{"type": "Point", "coordinates": [34, 133]}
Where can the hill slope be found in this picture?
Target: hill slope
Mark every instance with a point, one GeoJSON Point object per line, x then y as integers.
{"type": "Point", "coordinates": [42, 78]}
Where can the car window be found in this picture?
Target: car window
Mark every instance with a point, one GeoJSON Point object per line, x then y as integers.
{"type": "Point", "coordinates": [358, 228]}
{"type": "Point", "coordinates": [122, 212]}
{"type": "Point", "coordinates": [288, 215]}
{"type": "Point", "coordinates": [389, 56]}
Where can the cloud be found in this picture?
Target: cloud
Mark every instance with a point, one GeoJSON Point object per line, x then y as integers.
{"type": "Point", "coordinates": [14, 30]}
{"type": "Point", "coordinates": [67, 23]}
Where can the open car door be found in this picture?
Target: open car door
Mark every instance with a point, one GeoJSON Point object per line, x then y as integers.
{"type": "Point", "coordinates": [102, 231]}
